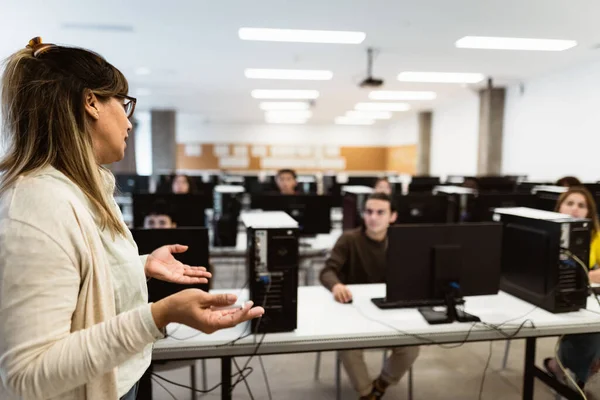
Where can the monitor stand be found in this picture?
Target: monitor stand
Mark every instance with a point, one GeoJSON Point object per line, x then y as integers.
{"type": "Point", "coordinates": [451, 314]}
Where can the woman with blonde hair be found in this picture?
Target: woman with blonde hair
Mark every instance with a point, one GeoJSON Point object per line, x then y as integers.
{"type": "Point", "coordinates": [580, 353]}
{"type": "Point", "coordinates": [75, 322]}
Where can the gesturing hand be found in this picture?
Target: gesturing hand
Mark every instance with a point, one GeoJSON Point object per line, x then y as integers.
{"type": "Point", "coordinates": [195, 308]}
{"type": "Point", "coordinates": [163, 266]}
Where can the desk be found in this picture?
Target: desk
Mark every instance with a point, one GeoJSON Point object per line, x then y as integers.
{"type": "Point", "coordinates": [350, 328]}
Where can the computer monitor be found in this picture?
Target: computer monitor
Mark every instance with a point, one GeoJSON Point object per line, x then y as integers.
{"type": "Point", "coordinates": [197, 255]}
{"type": "Point", "coordinates": [361, 181]}
{"type": "Point", "coordinates": [132, 183]}
{"type": "Point", "coordinates": [423, 184]}
{"type": "Point", "coordinates": [495, 184]}
{"type": "Point", "coordinates": [313, 212]}
{"type": "Point", "coordinates": [254, 185]}
{"type": "Point", "coordinates": [594, 188]}
{"type": "Point", "coordinates": [527, 187]}
{"type": "Point", "coordinates": [435, 265]}
{"type": "Point", "coordinates": [480, 207]}
{"type": "Point", "coordinates": [422, 208]}
{"type": "Point", "coordinates": [187, 210]}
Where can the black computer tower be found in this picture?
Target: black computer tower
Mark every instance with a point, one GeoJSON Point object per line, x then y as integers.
{"type": "Point", "coordinates": [272, 262]}
{"type": "Point", "coordinates": [534, 266]}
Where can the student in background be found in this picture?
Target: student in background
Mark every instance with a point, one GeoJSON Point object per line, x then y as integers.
{"type": "Point", "coordinates": [160, 217]}
{"type": "Point", "coordinates": [359, 257]}
{"type": "Point", "coordinates": [182, 184]}
{"type": "Point", "coordinates": [568, 181]}
{"type": "Point", "coordinates": [286, 180]}
{"type": "Point", "coordinates": [580, 353]}
{"type": "Point", "coordinates": [383, 185]}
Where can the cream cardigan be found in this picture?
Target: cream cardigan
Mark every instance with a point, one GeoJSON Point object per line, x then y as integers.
{"type": "Point", "coordinates": [74, 317]}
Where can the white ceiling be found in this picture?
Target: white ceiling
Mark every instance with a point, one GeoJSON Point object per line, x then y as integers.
{"type": "Point", "coordinates": [198, 61]}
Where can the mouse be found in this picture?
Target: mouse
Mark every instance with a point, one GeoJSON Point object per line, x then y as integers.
{"type": "Point", "coordinates": [348, 302]}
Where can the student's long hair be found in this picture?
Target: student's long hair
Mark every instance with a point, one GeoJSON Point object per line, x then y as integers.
{"type": "Point", "coordinates": [591, 206]}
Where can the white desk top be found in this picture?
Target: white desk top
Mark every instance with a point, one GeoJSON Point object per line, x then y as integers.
{"type": "Point", "coordinates": [325, 325]}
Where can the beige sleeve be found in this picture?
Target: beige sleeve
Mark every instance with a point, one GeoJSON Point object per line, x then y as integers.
{"type": "Point", "coordinates": [39, 287]}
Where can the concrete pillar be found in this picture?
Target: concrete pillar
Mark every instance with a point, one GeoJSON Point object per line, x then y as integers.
{"type": "Point", "coordinates": [491, 125]}
{"type": "Point", "coordinates": [164, 145]}
{"type": "Point", "coordinates": [424, 143]}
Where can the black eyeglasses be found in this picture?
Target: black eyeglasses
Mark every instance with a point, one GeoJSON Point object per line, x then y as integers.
{"type": "Point", "coordinates": [128, 104]}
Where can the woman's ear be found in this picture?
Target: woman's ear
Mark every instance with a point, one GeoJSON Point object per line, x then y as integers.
{"type": "Point", "coordinates": [91, 105]}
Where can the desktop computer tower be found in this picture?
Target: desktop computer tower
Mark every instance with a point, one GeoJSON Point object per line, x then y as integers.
{"type": "Point", "coordinates": [535, 267]}
{"type": "Point", "coordinates": [353, 202]}
{"type": "Point", "coordinates": [272, 262]}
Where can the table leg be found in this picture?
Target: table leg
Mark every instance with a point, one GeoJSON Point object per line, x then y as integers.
{"type": "Point", "coordinates": [529, 370]}
{"type": "Point", "coordinates": [226, 378]}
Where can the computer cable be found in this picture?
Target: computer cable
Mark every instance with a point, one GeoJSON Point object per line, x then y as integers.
{"type": "Point", "coordinates": [487, 365]}
{"type": "Point", "coordinates": [564, 370]}
{"type": "Point", "coordinates": [159, 383]}
{"type": "Point", "coordinates": [249, 371]}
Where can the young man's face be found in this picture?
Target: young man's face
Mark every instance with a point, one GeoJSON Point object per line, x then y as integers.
{"type": "Point", "coordinates": [158, 221]}
{"type": "Point", "coordinates": [378, 216]}
{"type": "Point", "coordinates": [286, 183]}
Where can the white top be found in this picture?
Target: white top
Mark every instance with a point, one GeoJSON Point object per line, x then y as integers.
{"type": "Point", "coordinates": [549, 189]}
{"type": "Point", "coordinates": [533, 213]}
{"type": "Point", "coordinates": [229, 189]}
{"type": "Point", "coordinates": [75, 322]}
{"type": "Point", "coordinates": [268, 220]}
{"type": "Point", "coordinates": [324, 324]}
{"type": "Point", "coordinates": [357, 189]}
{"type": "Point", "coordinates": [453, 190]}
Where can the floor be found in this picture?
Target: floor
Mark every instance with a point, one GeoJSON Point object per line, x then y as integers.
{"type": "Point", "coordinates": [438, 373]}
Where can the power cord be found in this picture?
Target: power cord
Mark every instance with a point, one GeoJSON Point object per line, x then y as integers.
{"type": "Point", "coordinates": [212, 389]}
{"type": "Point", "coordinates": [159, 383]}
{"type": "Point", "coordinates": [487, 365]}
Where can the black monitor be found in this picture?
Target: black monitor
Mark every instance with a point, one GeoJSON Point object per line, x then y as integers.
{"type": "Point", "coordinates": [594, 188]}
{"type": "Point", "coordinates": [435, 265]}
{"type": "Point", "coordinates": [423, 184]}
{"type": "Point", "coordinates": [313, 212]}
{"type": "Point", "coordinates": [254, 185]}
{"type": "Point", "coordinates": [187, 210]}
{"type": "Point", "coordinates": [197, 255]}
{"type": "Point", "coordinates": [361, 181]}
{"type": "Point", "coordinates": [495, 184]}
{"type": "Point", "coordinates": [480, 206]}
{"type": "Point", "coordinates": [132, 183]}
{"type": "Point", "coordinates": [422, 208]}
{"type": "Point", "coordinates": [527, 187]}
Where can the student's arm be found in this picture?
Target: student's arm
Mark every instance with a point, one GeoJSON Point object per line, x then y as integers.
{"type": "Point", "coordinates": [330, 275]}
{"type": "Point", "coordinates": [40, 356]}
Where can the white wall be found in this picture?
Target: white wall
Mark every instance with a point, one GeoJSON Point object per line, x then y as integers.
{"type": "Point", "coordinates": [405, 131]}
{"type": "Point", "coordinates": [192, 129]}
{"type": "Point", "coordinates": [143, 143]}
{"type": "Point", "coordinates": [454, 136]}
{"type": "Point", "coordinates": [552, 129]}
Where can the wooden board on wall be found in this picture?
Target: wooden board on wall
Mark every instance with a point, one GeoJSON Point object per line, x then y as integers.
{"type": "Point", "coordinates": [400, 159]}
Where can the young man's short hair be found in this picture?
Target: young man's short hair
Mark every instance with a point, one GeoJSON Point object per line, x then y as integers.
{"type": "Point", "coordinates": [383, 197]}
{"type": "Point", "coordinates": [161, 207]}
{"type": "Point", "coordinates": [287, 171]}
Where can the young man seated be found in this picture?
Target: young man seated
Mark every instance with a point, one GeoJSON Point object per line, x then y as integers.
{"type": "Point", "coordinates": [159, 217]}
{"type": "Point", "coordinates": [359, 257]}
{"type": "Point", "coordinates": [286, 181]}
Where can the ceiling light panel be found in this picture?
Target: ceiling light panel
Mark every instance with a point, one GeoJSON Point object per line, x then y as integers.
{"type": "Point", "coordinates": [285, 94]}
{"type": "Point", "coordinates": [283, 105]}
{"type": "Point", "coordinates": [369, 114]}
{"type": "Point", "coordinates": [507, 43]}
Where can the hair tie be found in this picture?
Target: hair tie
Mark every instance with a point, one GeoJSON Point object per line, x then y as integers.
{"type": "Point", "coordinates": [38, 47]}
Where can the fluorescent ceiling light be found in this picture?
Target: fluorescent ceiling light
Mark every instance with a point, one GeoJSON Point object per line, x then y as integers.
{"type": "Point", "coordinates": [382, 107]}
{"type": "Point", "coordinates": [285, 94]}
{"type": "Point", "coordinates": [353, 121]}
{"type": "Point", "coordinates": [277, 120]}
{"type": "Point", "coordinates": [369, 114]}
{"type": "Point", "coordinates": [441, 77]}
{"type": "Point", "coordinates": [289, 114]}
{"type": "Point", "coordinates": [295, 74]}
{"type": "Point", "coordinates": [143, 71]}
{"type": "Point", "coordinates": [302, 36]}
{"type": "Point", "coordinates": [401, 95]}
{"type": "Point", "coordinates": [504, 43]}
{"type": "Point", "coordinates": [283, 105]}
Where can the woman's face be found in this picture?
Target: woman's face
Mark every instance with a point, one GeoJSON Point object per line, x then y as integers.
{"type": "Point", "coordinates": [181, 185]}
{"type": "Point", "coordinates": [574, 205]}
{"type": "Point", "coordinates": [383, 187]}
{"type": "Point", "coordinates": [110, 129]}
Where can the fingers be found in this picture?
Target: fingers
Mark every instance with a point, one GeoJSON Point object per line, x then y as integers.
{"type": "Point", "coordinates": [231, 318]}
{"type": "Point", "coordinates": [177, 248]}
{"type": "Point", "coordinates": [199, 272]}
{"type": "Point", "coordinates": [348, 295]}
{"type": "Point", "coordinates": [219, 300]}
